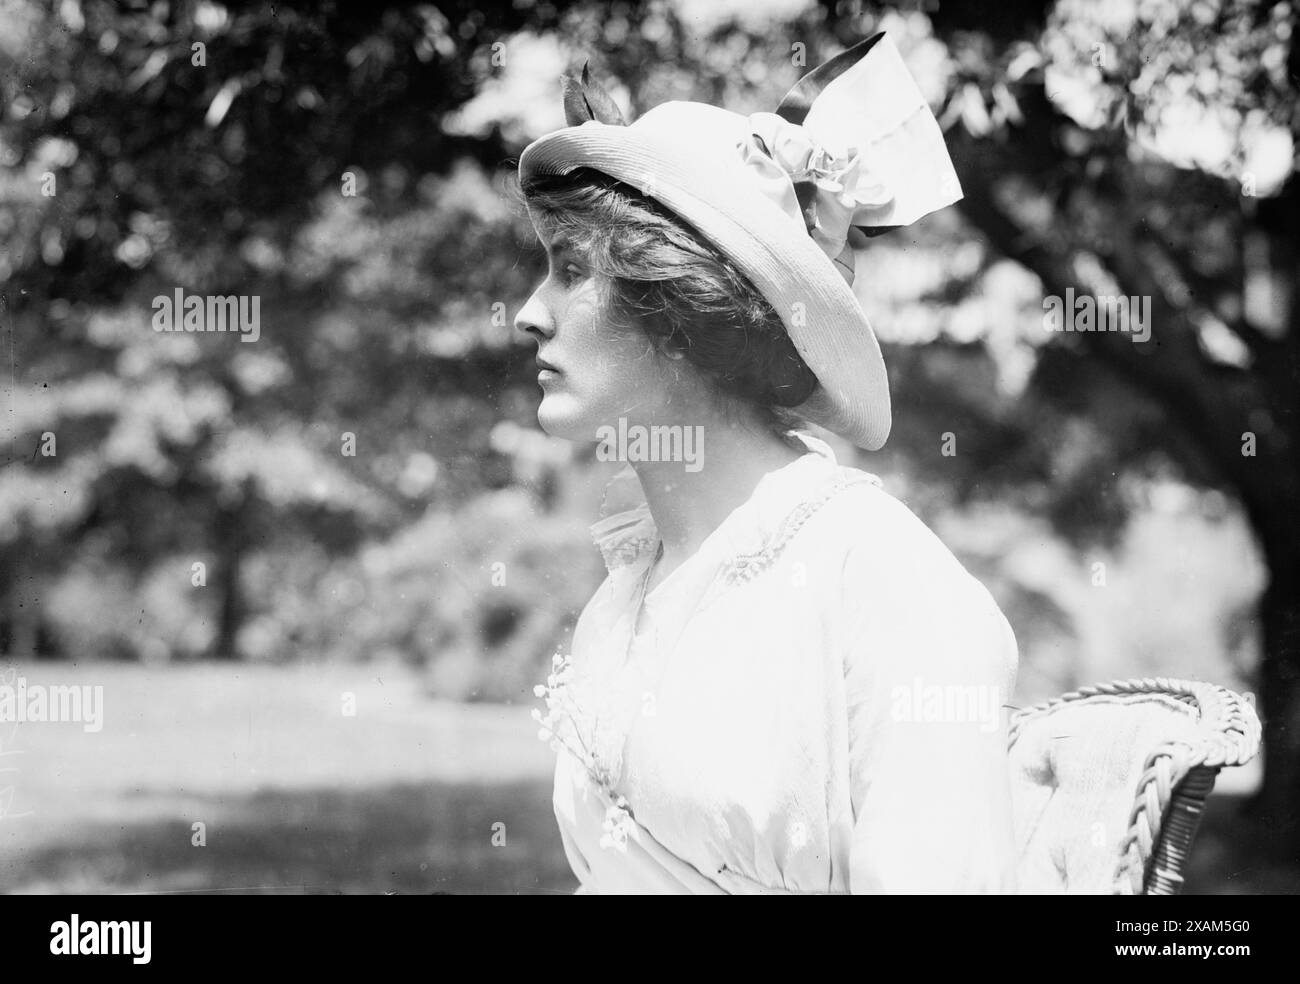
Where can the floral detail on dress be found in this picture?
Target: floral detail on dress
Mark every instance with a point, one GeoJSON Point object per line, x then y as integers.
{"type": "Point", "coordinates": [561, 725]}
{"type": "Point", "coordinates": [618, 824]}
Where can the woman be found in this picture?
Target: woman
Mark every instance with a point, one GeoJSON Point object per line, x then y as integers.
{"type": "Point", "coordinates": [786, 683]}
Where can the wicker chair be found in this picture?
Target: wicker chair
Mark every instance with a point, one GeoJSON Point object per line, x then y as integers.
{"type": "Point", "coordinates": [1109, 782]}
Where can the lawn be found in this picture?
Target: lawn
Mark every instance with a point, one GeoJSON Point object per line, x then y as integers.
{"type": "Point", "coordinates": [295, 796]}
{"type": "Point", "coordinates": [407, 795]}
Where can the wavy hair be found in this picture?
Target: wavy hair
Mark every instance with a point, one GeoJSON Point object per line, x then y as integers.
{"type": "Point", "coordinates": [665, 279]}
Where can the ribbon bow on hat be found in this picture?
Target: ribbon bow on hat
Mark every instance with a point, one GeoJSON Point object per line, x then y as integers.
{"type": "Point", "coordinates": [853, 146]}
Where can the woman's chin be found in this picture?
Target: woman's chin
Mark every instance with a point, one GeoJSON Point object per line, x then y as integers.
{"type": "Point", "coordinates": [559, 418]}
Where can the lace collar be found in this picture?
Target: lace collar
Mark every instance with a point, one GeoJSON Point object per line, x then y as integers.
{"type": "Point", "coordinates": [752, 535]}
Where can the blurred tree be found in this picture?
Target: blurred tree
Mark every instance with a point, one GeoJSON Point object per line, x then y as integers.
{"type": "Point", "coordinates": [289, 153]}
{"type": "Point", "coordinates": [1060, 130]}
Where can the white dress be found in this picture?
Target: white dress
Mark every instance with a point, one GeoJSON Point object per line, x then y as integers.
{"type": "Point", "coordinates": [812, 703]}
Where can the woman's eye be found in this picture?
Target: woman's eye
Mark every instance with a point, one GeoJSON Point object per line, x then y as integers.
{"type": "Point", "coordinates": [570, 274]}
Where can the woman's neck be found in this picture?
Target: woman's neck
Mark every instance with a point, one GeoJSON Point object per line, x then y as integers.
{"type": "Point", "coordinates": [689, 505]}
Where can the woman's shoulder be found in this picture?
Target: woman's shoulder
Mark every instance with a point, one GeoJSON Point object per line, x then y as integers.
{"type": "Point", "coordinates": [900, 582]}
{"type": "Point", "coordinates": [884, 551]}
{"type": "Point", "coordinates": [870, 524]}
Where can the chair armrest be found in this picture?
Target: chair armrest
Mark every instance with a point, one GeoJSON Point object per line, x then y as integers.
{"type": "Point", "coordinates": [1176, 781]}
{"type": "Point", "coordinates": [1183, 819]}
{"type": "Point", "coordinates": [1176, 777]}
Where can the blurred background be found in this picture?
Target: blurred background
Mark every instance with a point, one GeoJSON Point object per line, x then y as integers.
{"type": "Point", "coordinates": [317, 575]}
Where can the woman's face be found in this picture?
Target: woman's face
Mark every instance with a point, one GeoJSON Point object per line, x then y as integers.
{"type": "Point", "coordinates": [591, 373]}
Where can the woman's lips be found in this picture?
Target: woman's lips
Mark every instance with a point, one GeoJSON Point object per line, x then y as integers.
{"type": "Point", "coordinates": [546, 371]}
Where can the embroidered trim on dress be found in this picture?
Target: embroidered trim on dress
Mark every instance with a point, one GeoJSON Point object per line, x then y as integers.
{"type": "Point", "coordinates": [745, 567]}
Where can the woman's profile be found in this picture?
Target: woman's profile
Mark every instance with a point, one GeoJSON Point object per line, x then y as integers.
{"type": "Point", "coordinates": [786, 683]}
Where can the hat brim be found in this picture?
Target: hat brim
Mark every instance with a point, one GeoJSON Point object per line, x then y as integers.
{"type": "Point", "coordinates": [683, 155]}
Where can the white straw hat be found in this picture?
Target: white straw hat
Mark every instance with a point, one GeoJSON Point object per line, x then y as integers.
{"type": "Point", "coordinates": [853, 149]}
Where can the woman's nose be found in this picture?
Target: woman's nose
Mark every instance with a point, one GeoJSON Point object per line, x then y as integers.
{"type": "Point", "coordinates": [534, 317]}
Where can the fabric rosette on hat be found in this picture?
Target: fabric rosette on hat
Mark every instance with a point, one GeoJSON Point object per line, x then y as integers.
{"type": "Point", "coordinates": [834, 193]}
{"type": "Point", "coordinates": [852, 150]}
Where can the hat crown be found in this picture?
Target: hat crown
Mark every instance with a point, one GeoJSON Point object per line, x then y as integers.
{"type": "Point", "coordinates": [697, 130]}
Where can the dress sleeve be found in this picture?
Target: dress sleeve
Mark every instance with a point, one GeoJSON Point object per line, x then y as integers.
{"type": "Point", "coordinates": [929, 665]}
